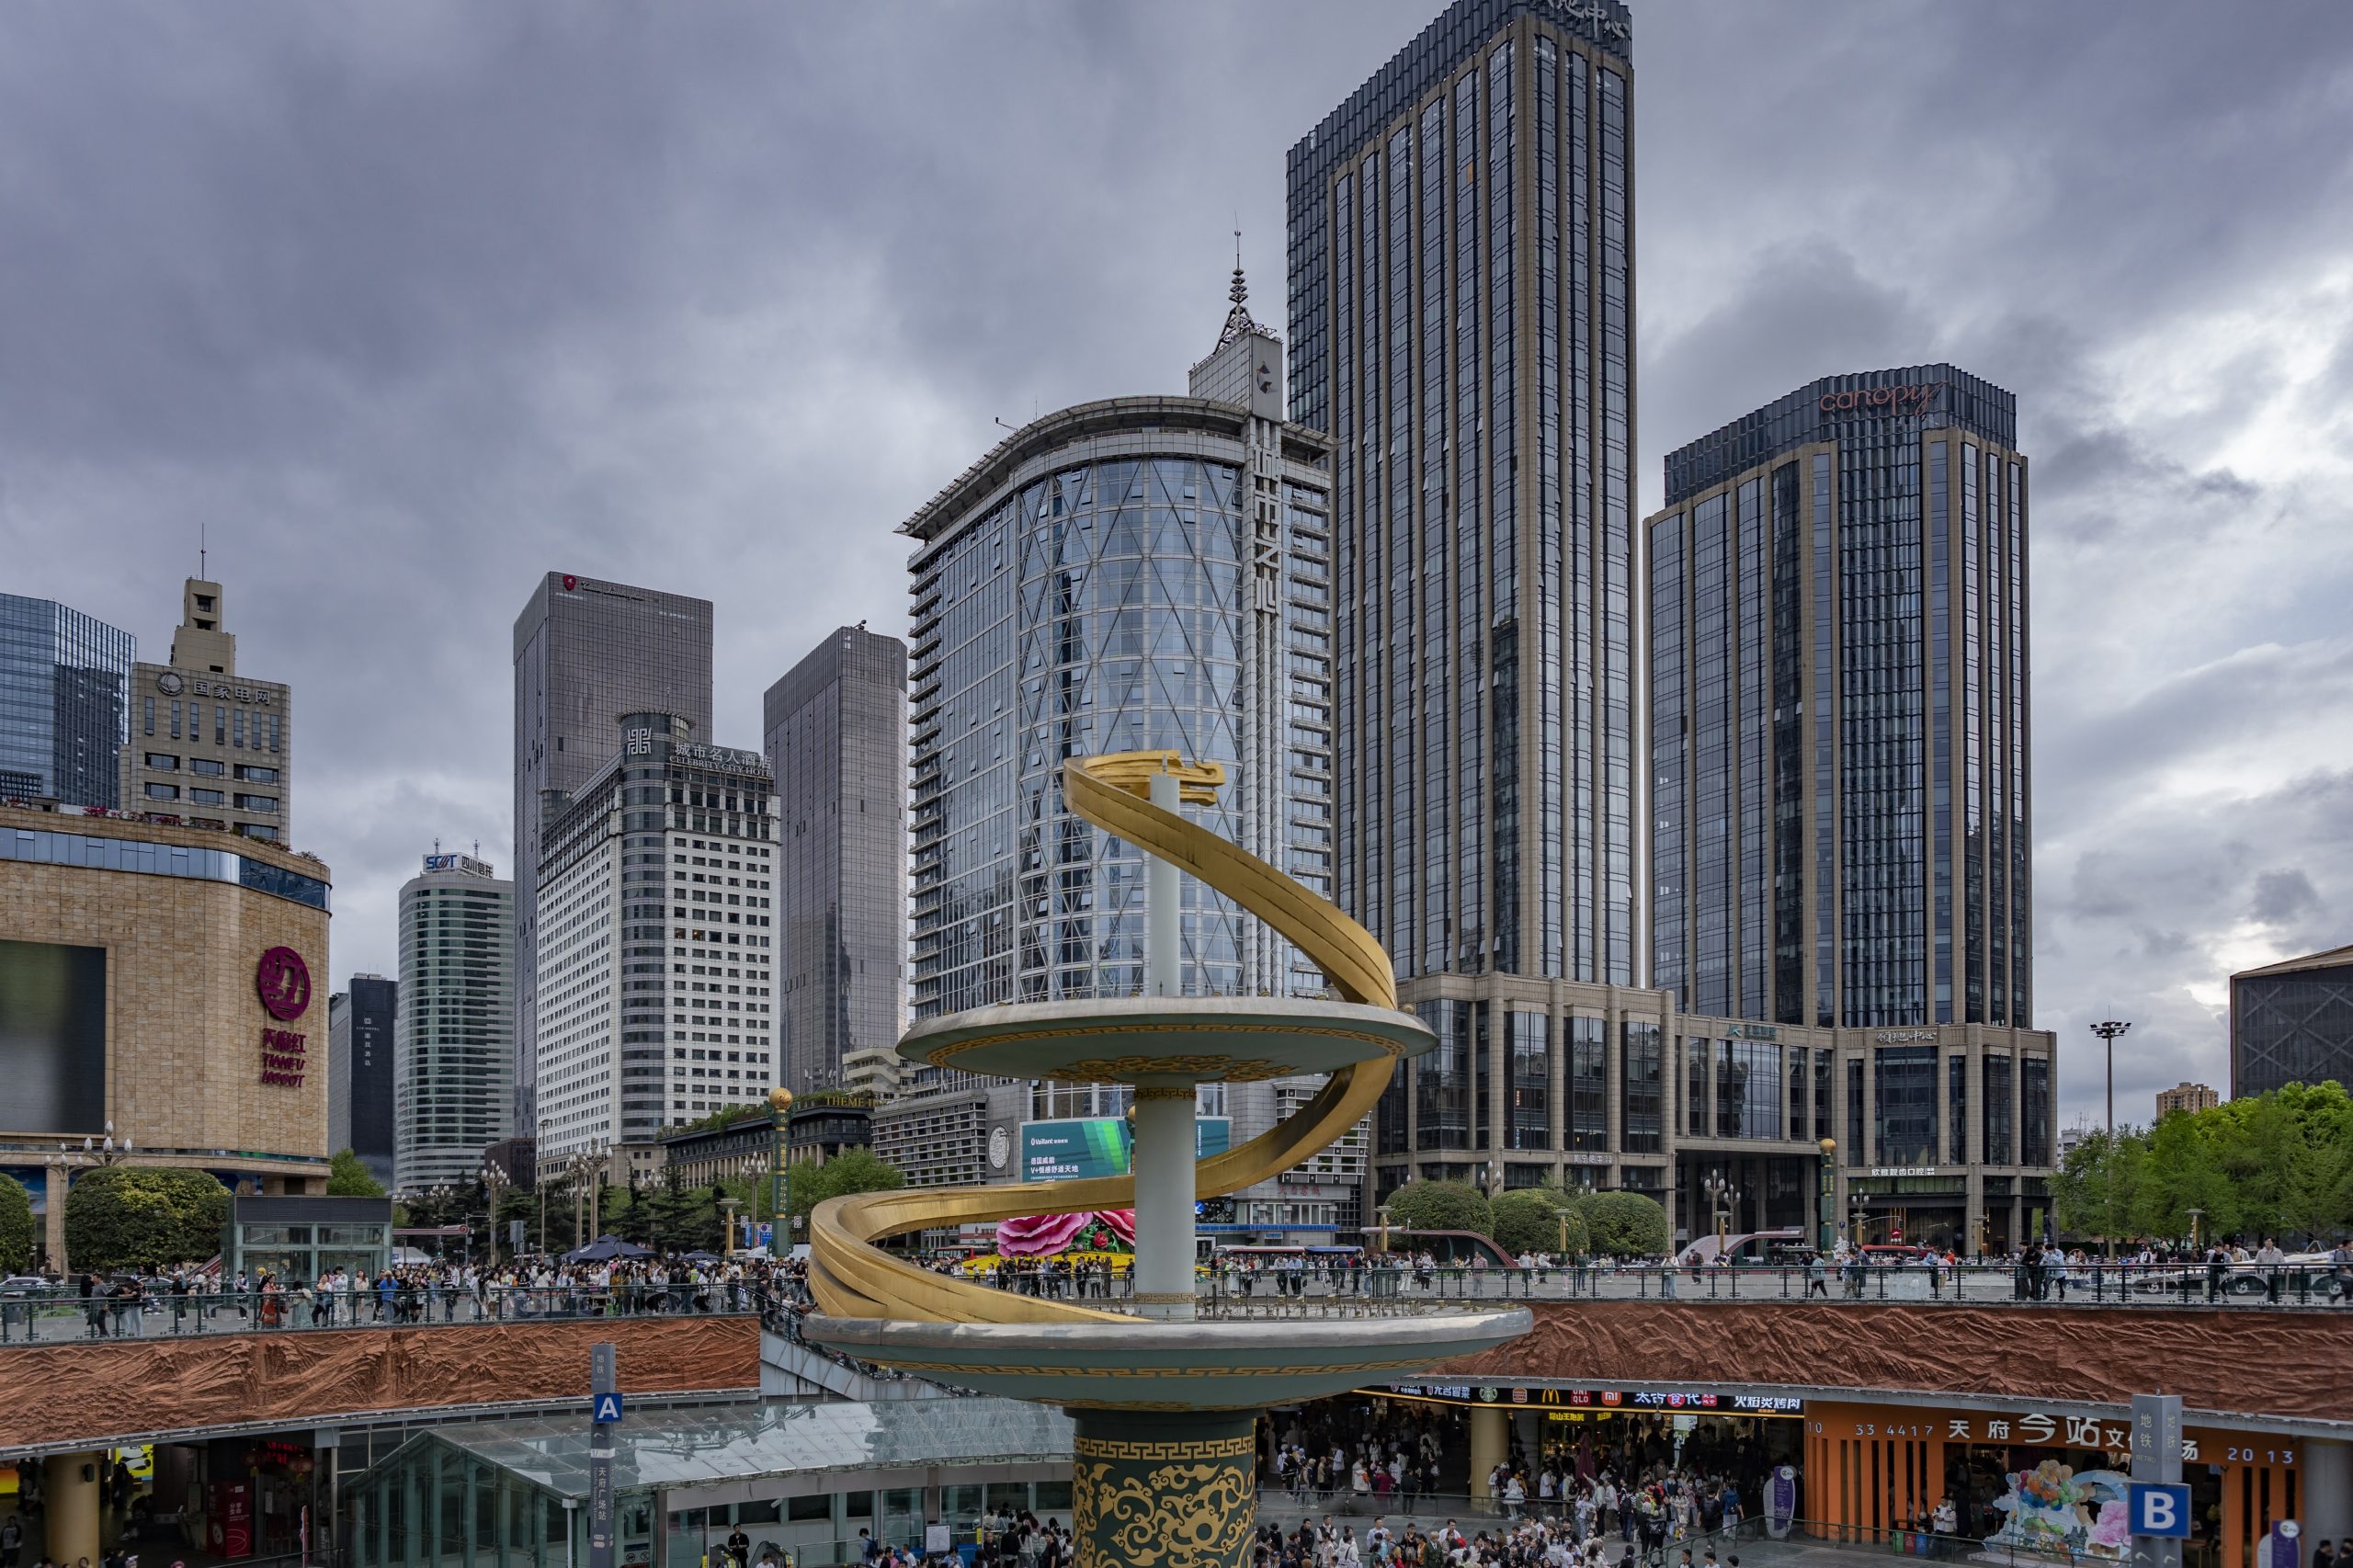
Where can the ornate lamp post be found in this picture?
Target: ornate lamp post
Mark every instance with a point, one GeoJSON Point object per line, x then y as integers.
{"type": "Point", "coordinates": [780, 1176]}
{"type": "Point", "coordinates": [2108, 1030]}
{"type": "Point", "coordinates": [1828, 1195]}
{"type": "Point", "coordinates": [1722, 1198]}
{"type": "Point", "coordinates": [494, 1181]}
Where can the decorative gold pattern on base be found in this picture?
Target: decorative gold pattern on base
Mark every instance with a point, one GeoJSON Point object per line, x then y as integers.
{"type": "Point", "coordinates": [1189, 1513]}
{"type": "Point", "coordinates": [1155, 1453]}
{"type": "Point", "coordinates": [1164, 1092]}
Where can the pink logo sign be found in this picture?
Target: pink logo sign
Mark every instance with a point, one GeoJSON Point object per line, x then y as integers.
{"type": "Point", "coordinates": [284, 982]}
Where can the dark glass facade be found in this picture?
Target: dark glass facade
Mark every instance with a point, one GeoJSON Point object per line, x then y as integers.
{"type": "Point", "coordinates": [360, 1072]}
{"type": "Point", "coordinates": [836, 732]}
{"type": "Point", "coordinates": [586, 651]}
{"type": "Point", "coordinates": [1460, 250]}
{"type": "Point", "coordinates": [2292, 1023]}
{"type": "Point", "coordinates": [1839, 729]}
{"type": "Point", "coordinates": [64, 702]}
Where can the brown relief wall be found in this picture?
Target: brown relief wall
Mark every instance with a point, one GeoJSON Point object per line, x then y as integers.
{"type": "Point", "coordinates": [102, 1391]}
{"type": "Point", "coordinates": [2242, 1359]}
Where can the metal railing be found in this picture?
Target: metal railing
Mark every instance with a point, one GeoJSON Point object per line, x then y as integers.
{"type": "Point", "coordinates": [63, 1317]}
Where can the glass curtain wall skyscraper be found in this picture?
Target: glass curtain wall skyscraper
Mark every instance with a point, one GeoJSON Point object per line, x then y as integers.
{"type": "Point", "coordinates": [1462, 260]}
{"type": "Point", "coordinates": [454, 1050]}
{"type": "Point", "coordinates": [64, 702]}
{"type": "Point", "coordinates": [585, 652]}
{"type": "Point", "coordinates": [1839, 720]}
{"type": "Point", "coordinates": [836, 729]}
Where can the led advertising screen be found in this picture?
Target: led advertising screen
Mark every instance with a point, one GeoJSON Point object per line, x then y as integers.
{"type": "Point", "coordinates": [53, 1038]}
{"type": "Point", "coordinates": [1079, 1148]}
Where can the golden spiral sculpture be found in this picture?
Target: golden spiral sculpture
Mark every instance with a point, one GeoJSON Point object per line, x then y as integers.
{"type": "Point", "coordinates": [852, 1278]}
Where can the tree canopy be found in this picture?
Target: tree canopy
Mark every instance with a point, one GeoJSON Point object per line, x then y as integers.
{"type": "Point", "coordinates": [1528, 1220]}
{"type": "Point", "coordinates": [143, 1217]}
{"type": "Point", "coordinates": [2273, 1164]}
{"type": "Point", "coordinates": [347, 1177]}
{"type": "Point", "coordinates": [1440, 1206]}
{"type": "Point", "coordinates": [1626, 1224]}
{"type": "Point", "coordinates": [16, 1226]}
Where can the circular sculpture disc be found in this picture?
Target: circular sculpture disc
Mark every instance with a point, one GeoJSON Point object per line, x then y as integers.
{"type": "Point", "coordinates": [1198, 1039]}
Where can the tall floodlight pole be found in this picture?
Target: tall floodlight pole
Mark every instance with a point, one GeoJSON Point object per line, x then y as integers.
{"type": "Point", "coordinates": [2107, 1030]}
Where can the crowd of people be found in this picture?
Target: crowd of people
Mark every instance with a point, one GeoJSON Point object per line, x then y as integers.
{"type": "Point", "coordinates": [1517, 1543]}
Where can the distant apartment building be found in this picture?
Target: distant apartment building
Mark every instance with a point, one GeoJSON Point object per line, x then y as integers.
{"type": "Point", "coordinates": [657, 938]}
{"type": "Point", "coordinates": [836, 735]}
{"type": "Point", "coordinates": [454, 1031]}
{"type": "Point", "coordinates": [361, 1089]}
{"type": "Point", "coordinates": [2191, 1098]}
{"type": "Point", "coordinates": [209, 746]}
{"type": "Point", "coordinates": [586, 651]}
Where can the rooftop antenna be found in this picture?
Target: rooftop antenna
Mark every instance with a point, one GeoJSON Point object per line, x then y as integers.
{"type": "Point", "coordinates": [200, 551]}
{"type": "Point", "coordinates": [477, 849]}
{"type": "Point", "coordinates": [436, 844]}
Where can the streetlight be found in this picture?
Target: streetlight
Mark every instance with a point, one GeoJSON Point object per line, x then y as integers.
{"type": "Point", "coordinates": [2108, 1030]}
{"type": "Point", "coordinates": [494, 1181]}
{"type": "Point", "coordinates": [1721, 1197]}
{"type": "Point", "coordinates": [1826, 1195]}
{"type": "Point", "coordinates": [780, 1176]}
{"type": "Point", "coordinates": [2195, 1215]}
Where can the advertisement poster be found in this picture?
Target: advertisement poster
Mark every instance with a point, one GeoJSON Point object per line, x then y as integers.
{"type": "Point", "coordinates": [232, 1519]}
{"type": "Point", "coordinates": [1081, 1148]}
{"type": "Point", "coordinates": [1781, 1501]}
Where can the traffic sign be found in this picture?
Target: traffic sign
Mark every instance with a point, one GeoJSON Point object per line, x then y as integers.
{"type": "Point", "coordinates": [2158, 1508]}
{"type": "Point", "coordinates": [607, 1409]}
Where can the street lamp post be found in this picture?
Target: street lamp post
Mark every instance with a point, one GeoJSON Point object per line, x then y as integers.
{"type": "Point", "coordinates": [780, 1176]}
{"type": "Point", "coordinates": [1721, 1197]}
{"type": "Point", "coordinates": [1826, 1199]}
{"type": "Point", "coordinates": [2195, 1215]}
{"type": "Point", "coordinates": [493, 1181]}
{"type": "Point", "coordinates": [2108, 1030]}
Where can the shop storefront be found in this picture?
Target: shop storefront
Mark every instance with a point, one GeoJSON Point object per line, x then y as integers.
{"type": "Point", "coordinates": [2034, 1482]}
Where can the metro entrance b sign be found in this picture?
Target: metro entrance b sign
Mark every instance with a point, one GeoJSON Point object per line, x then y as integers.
{"type": "Point", "coordinates": [2158, 1508]}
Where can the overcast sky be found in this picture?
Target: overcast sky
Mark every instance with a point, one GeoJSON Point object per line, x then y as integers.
{"type": "Point", "coordinates": [409, 303]}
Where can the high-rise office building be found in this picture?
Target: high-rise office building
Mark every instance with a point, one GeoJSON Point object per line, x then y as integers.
{"type": "Point", "coordinates": [362, 1088]}
{"type": "Point", "coordinates": [586, 651]}
{"type": "Point", "coordinates": [66, 683]}
{"type": "Point", "coordinates": [1139, 573]}
{"type": "Point", "coordinates": [836, 733]}
{"type": "Point", "coordinates": [1462, 249]}
{"type": "Point", "coordinates": [1461, 286]}
{"type": "Point", "coordinates": [2292, 1022]}
{"type": "Point", "coordinates": [657, 940]}
{"type": "Point", "coordinates": [209, 746]}
{"type": "Point", "coordinates": [1839, 747]}
{"type": "Point", "coordinates": [453, 1054]}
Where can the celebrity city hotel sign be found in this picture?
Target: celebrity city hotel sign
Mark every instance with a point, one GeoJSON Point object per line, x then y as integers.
{"type": "Point", "coordinates": [283, 982]}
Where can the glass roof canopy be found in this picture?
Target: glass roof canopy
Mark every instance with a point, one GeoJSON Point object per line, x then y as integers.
{"type": "Point", "coordinates": [688, 1448]}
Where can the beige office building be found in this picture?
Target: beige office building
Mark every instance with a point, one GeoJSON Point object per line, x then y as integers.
{"type": "Point", "coordinates": [2191, 1098]}
{"type": "Point", "coordinates": [208, 746]}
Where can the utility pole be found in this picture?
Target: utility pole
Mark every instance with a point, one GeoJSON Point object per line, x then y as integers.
{"type": "Point", "coordinates": [2107, 1031]}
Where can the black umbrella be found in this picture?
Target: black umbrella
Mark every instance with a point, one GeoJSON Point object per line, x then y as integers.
{"type": "Point", "coordinates": [605, 1249]}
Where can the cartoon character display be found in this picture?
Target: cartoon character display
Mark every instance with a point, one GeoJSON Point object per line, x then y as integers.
{"type": "Point", "coordinates": [2056, 1512]}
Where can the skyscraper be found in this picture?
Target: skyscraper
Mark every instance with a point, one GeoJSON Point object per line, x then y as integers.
{"type": "Point", "coordinates": [1840, 869]}
{"type": "Point", "coordinates": [585, 652]}
{"type": "Point", "coordinates": [1840, 718]}
{"type": "Point", "coordinates": [836, 733]}
{"type": "Point", "coordinates": [664, 862]}
{"type": "Point", "coordinates": [64, 702]}
{"type": "Point", "coordinates": [229, 764]}
{"type": "Point", "coordinates": [2292, 1022]}
{"type": "Point", "coordinates": [1139, 573]}
{"type": "Point", "coordinates": [362, 1086]}
{"type": "Point", "coordinates": [453, 1054]}
{"type": "Point", "coordinates": [1461, 287]}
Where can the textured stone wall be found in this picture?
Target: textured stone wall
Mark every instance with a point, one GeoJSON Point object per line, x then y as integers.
{"type": "Point", "coordinates": [109, 1392]}
{"type": "Point", "coordinates": [2242, 1359]}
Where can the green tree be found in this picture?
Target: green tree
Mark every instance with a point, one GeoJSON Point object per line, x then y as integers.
{"type": "Point", "coordinates": [143, 1217]}
{"type": "Point", "coordinates": [851, 1171]}
{"type": "Point", "coordinates": [16, 1227]}
{"type": "Point", "coordinates": [1528, 1220]}
{"type": "Point", "coordinates": [2090, 1195]}
{"type": "Point", "coordinates": [1626, 1224]}
{"type": "Point", "coordinates": [1440, 1206]}
{"type": "Point", "coordinates": [2179, 1173]}
{"type": "Point", "coordinates": [347, 1177]}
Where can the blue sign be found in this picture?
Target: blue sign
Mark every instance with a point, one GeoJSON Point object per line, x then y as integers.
{"type": "Point", "coordinates": [2158, 1508]}
{"type": "Point", "coordinates": [607, 1409]}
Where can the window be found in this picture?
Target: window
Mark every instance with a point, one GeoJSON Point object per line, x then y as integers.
{"type": "Point", "coordinates": [206, 765]}
{"type": "Point", "coordinates": [162, 761]}
{"type": "Point", "coordinates": [261, 830]}
{"type": "Point", "coordinates": [255, 774]}
{"type": "Point", "coordinates": [205, 797]}
{"type": "Point", "coordinates": [162, 791]}
{"type": "Point", "coordinates": [256, 804]}
{"type": "Point", "coordinates": [147, 708]}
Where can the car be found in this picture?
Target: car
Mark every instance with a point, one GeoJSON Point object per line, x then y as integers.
{"type": "Point", "coordinates": [31, 1287]}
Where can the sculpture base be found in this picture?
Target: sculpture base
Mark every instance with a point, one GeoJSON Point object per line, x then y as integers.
{"type": "Point", "coordinates": [1154, 1489]}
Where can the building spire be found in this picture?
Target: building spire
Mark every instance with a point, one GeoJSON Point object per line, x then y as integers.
{"type": "Point", "coordinates": [1238, 322]}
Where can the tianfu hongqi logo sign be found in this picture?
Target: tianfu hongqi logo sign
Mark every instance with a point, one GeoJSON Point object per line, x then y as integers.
{"type": "Point", "coordinates": [283, 981]}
